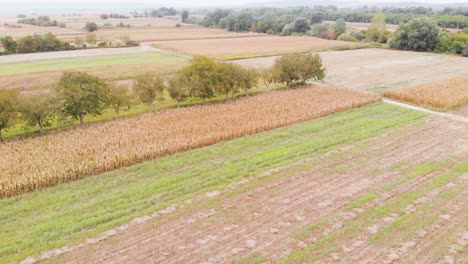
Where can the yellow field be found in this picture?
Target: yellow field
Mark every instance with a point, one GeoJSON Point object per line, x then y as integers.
{"type": "Point", "coordinates": [62, 156]}
{"type": "Point", "coordinates": [442, 95]}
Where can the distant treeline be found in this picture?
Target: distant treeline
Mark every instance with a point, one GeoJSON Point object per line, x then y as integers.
{"type": "Point", "coordinates": [248, 19]}
{"type": "Point", "coordinates": [160, 12]}
{"type": "Point", "coordinates": [42, 21]}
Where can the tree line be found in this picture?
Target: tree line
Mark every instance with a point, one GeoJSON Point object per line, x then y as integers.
{"type": "Point", "coordinates": [49, 42]}
{"type": "Point", "coordinates": [79, 94]}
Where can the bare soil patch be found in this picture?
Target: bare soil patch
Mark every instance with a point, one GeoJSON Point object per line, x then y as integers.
{"type": "Point", "coordinates": [302, 205]}
{"type": "Point", "coordinates": [380, 69]}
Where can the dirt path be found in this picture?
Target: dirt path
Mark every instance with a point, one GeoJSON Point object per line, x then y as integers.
{"type": "Point", "coordinates": [421, 109]}
{"type": "Point", "coordinates": [273, 217]}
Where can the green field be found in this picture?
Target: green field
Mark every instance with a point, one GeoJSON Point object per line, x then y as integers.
{"type": "Point", "coordinates": [72, 212]}
{"type": "Point", "coordinates": [88, 62]}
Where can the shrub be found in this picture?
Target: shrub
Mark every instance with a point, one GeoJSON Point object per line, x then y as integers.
{"type": "Point", "coordinates": [420, 34]}
{"type": "Point", "coordinates": [346, 37]}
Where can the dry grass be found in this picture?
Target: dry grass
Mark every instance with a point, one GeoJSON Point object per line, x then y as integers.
{"type": "Point", "coordinates": [266, 45]}
{"type": "Point", "coordinates": [442, 95]}
{"type": "Point", "coordinates": [33, 163]}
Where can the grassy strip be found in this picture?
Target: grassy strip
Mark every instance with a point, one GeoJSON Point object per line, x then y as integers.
{"type": "Point", "coordinates": [69, 213]}
{"type": "Point", "coordinates": [350, 46]}
{"type": "Point", "coordinates": [83, 62]}
{"type": "Point", "coordinates": [321, 248]}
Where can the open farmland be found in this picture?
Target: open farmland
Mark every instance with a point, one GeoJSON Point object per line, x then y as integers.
{"type": "Point", "coordinates": [253, 46]}
{"type": "Point", "coordinates": [398, 196]}
{"type": "Point", "coordinates": [377, 70]}
{"type": "Point", "coordinates": [37, 221]}
{"type": "Point", "coordinates": [441, 95]}
{"type": "Point", "coordinates": [45, 69]}
{"type": "Point", "coordinates": [69, 155]}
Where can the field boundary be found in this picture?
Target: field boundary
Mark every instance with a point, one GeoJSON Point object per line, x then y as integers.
{"type": "Point", "coordinates": [425, 110]}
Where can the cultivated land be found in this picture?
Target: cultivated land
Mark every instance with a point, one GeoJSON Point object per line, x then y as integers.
{"type": "Point", "coordinates": [34, 222]}
{"type": "Point", "coordinates": [253, 46]}
{"type": "Point", "coordinates": [441, 95]}
{"type": "Point", "coordinates": [376, 70]}
{"type": "Point", "coordinates": [65, 156]}
{"type": "Point", "coordinates": [114, 64]}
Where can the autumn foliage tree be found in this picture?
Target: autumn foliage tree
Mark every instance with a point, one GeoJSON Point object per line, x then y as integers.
{"type": "Point", "coordinates": [37, 109]}
{"type": "Point", "coordinates": [119, 98]}
{"type": "Point", "coordinates": [179, 88]}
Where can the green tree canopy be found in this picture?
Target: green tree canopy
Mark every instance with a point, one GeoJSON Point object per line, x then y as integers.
{"type": "Point", "coordinates": [81, 94]}
{"type": "Point", "coordinates": [297, 68]}
{"type": "Point", "coordinates": [37, 109]}
{"type": "Point", "coordinates": [8, 111]}
{"type": "Point", "coordinates": [148, 88]}
{"type": "Point", "coordinates": [420, 34]}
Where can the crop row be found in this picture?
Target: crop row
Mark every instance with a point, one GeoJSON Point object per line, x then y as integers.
{"type": "Point", "coordinates": [61, 156]}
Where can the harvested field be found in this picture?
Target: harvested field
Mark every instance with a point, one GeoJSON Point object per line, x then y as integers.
{"type": "Point", "coordinates": [441, 95]}
{"type": "Point", "coordinates": [253, 46]}
{"type": "Point", "coordinates": [68, 155]}
{"type": "Point", "coordinates": [399, 196]}
{"type": "Point", "coordinates": [36, 222]}
{"type": "Point", "coordinates": [377, 70]}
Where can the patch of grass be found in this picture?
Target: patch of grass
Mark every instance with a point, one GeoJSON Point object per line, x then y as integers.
{"type": "Point", "coordinates": [360, 201]}
{"type": "Point", "coordinates": [69, 213]}
{"type": "Point", "coordinates": [346, 46]}
{"type": "Point", "coordinates": [84, 62]}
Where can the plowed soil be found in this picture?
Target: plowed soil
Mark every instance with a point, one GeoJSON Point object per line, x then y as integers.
{"type": "Point", "coordinates": [400, 196]}
{"type": "Point", "coordinates": [381, 69]}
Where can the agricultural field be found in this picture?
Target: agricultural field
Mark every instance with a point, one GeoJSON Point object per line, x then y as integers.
{"type": "Point", "coordinates": [377, 70]}
{"type": "Point", "coordinates": [111, 64]}
{"type": "Point", "coordinates": [253, 46]}
{"type": "Point", "coordinates": [394, 179]}
{"type": "Point", "coordinates": [70, 155]}
{"type": "Point", "coordinates": [440, 95]}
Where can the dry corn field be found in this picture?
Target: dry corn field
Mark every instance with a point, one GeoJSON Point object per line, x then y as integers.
{"type": "Point", "coordinates": [441, 95]}
{"type": "Point", "coordinates": [61, 156]}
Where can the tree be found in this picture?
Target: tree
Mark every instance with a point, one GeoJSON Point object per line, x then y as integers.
{"type": "Point", "coordinates": [420, 34]}
{"type": "Point", "coordinates": [230, 81]}
{"type": "Point", "coordinates": [377, 31]}
{"type": "Point", "coordinates": [184, 16]}
{"type": "Point", "coordinates": [91, 38]}
{"type": "Point", "coordinates": [104, 16]}
{"type": "Point", "coordinates": [203, 75]}
{"type": "Point", "coordinates": [340, 27]}
{"type": "Point", "coordinates": [247, 79]}
{"type": "Point", "coordinates": [269, 76]}
{"type": "Point", "coordinates": [318, 30]}
{"type": "Point", "coordinates": [91, 27]}
{"type": "Point", "coordinates": [179, 88]}
{"type": "Point", "coordinates": [9, 44]}
{"type": "Point", "coordinates": [81, 94]}
{"type": "Point", "coordinates": [8, 112]}
{"type": "Point", "coordinates": [297, 68]}
{"type": "Point", "coordinates": [37, 109]}
{"type": "Point", "coordinates": [119, 98]}
{"type": "Point", "coordinates": [29, 44]}
{"type": "Point", "coordinates": [148, 88]}
{"type": "Point", "coordinates": [51, 42]}
{"type": "Point", "coordinates": [300, 25]}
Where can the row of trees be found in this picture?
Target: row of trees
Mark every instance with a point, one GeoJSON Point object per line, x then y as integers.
{"type": "Point", "coordinates": [78, 94]}
{"type": "Point", "coordinates": [273, 20]}
{"type": "Point", "coordinates": [49, 42]}
{"type": "Point", "coordinates": [42, 21]}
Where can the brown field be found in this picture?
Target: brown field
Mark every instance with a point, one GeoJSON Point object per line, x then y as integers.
{"type": "Point", "coordinates": [377, 70]}
{"type": "Point", "coordinates": [441, 95]}
{"type": "Point", "coordinates": [397, 197]}
{"type": "Point", "coordinates": [68, 155]}
{"type": "Point", "coordinates": [249, 46]}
